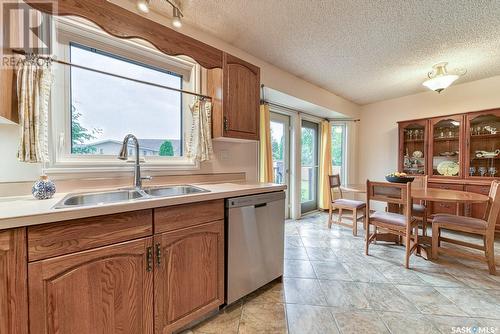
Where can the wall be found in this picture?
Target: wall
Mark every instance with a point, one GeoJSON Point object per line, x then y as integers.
{"type": "Point", "coordinates": [378, 131]}
{"type": "Point", "coordinates": [271, 76]}
{"type": "Point", "coordinates": [229, 156]}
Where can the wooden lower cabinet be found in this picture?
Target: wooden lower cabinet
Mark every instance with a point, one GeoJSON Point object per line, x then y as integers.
{"type": "Point", "coordinates": [104, 290]}
{"type": "Point", "coordinates": [13, 282]}
{"type": "Point", "coordinates": [189, 275]}
{"type": "Point", "coordinates": [115, 276]}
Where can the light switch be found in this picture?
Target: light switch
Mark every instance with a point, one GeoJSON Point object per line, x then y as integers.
{"type": "Point", "coordinates": [224, 155]}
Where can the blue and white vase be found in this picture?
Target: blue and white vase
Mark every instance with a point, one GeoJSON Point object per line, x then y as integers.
{"type": "Point", "coordinates": [43, 188]}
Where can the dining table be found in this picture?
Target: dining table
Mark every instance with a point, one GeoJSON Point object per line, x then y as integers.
{"type": "Point", "coordinates": [429, 195]}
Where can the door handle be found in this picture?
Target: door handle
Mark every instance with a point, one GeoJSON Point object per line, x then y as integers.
{"type": "Point", "coordinates": [149, 259]}
{"type": "Point", "coordinates": [158, 255]}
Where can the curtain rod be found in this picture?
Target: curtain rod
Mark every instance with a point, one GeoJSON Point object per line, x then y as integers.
{"type": "Point", "coordinates": [263, 100]}
{"type": "Point", "coordinates": [21, 52]}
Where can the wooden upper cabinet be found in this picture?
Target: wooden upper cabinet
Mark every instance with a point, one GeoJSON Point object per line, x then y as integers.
{"type": "Point", "coordinates": [8, 101]}
{"type": "Point", "coordinates": [13, 285]}
{"type": "Point", "coordinates": [104, 290]}
{"type": "Point", "coordinates": [446, 156]}
{"type": "Point", "coordinates": [482, 133]}
{"type": "Point", "coordinates": [413, 147]}
{"type": "Point", "coordinates": [241, 99]}
{"type": "Point", "coordinates": [236, 97]}
{"type": "Point", "coordinates": [189, 275]}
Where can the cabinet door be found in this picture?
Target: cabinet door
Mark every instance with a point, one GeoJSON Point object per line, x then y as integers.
{"type": "Point", "coordinates": [13, 287]}
{"type": "Point", "coordinates": [483, 145]}
{"type": "Point", "coordinates": [189, 275]}
{"type": "Point", "coordinates": [104, 290]}
{"type": "Point", "coordinates": [241, 99]}
{"type": "Point", "coordinates": [413, 147]}
{"type": "Point", "coordinates": [445, 147]}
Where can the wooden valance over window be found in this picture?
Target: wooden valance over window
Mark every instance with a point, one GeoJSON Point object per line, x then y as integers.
{"type": "Point", "coordinates": [122, 23]}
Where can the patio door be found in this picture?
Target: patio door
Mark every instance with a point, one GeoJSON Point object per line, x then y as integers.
{"type": "Point", "coordinates": [309, 167]}
{"type": "Point", "coordinates": [280, 142]}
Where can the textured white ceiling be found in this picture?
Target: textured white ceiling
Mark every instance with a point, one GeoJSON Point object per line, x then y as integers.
{"type": "Point", "coordinates": [363, 50]}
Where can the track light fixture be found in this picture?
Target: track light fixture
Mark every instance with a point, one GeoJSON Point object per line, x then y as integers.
{"type": "Point", "coordinates": [176, 21]}
{"type": "Point", "coordinates": [143, 6]}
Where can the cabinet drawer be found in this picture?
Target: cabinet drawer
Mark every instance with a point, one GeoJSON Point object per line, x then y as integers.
{"type": "Point", "coordinates": [71, 236]}
{"type": "Point", "coordinates": [185, 215]}
{"type": "Point", "coordinates": [448, 186]}
{"type": "Point", "coordinates": [444, 207]}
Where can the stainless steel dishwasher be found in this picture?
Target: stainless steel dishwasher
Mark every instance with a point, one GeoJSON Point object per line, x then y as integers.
{"type": "Point", "coordinates": [255, 231]}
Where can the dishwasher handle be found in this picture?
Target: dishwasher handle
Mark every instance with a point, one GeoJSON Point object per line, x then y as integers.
{"type": "Point", "coordinates": [254, 200]}
{"type": "Point", "coordinates": [260, 205]}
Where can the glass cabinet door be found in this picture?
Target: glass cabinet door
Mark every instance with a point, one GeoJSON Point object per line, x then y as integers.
{"type": "Point", "coordinates": [412, 139]}
{"type": "Point", "coordinates": [483, 144]}
{"type": "Point", "coordinates": [445, 146]}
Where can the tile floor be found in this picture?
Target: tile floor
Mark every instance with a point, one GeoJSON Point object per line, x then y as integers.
{"type": "Point", "coordinates": [330, 286]}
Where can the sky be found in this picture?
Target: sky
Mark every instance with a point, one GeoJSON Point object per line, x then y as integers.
{"type": "Point", "coordinates": [118, 106]}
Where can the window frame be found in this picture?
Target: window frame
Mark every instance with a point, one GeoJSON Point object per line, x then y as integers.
{"type": "Point", "coordinates": [82, 33]}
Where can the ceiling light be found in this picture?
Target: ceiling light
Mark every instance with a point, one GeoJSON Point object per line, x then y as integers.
{"type": "Point", "coordinates": [177, 15]}
{"type": "Point", "coordinates": [440, 79]}
{"type": "Point", "coordinates": [143, 5]}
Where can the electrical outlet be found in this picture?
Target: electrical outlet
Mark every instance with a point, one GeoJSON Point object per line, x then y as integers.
{"type": "Point", "coordinates": [224, 155]}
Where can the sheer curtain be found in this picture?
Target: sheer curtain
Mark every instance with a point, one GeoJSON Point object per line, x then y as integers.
{"type": "Point", "coordinates": [325, 164]}
{"type": "Point", "coordinates": [265, 149]}
{"type": "Point", "coordinates": [34, 81]}
{"type": "Point", "coordinates": [199, 143]}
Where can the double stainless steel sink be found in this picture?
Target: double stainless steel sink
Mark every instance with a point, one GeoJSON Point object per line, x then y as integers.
{"type": "Point", "coordinates": [125, 195]}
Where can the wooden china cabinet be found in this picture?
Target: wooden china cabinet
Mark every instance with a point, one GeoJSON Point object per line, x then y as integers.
{"type": "Point", "coordinates": [459, 152]}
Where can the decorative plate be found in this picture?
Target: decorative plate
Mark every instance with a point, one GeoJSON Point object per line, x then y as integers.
{"type": "Point", "coordinates": [448, 168]}
{"type": "Point", "coordinates": [418, 154]}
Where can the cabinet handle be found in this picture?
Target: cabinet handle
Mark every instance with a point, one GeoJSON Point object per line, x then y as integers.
{"type": "Point", "coordinates": [226, 124]}
{"type": "Point", "coordinates": [149, 259]}
{"type": "Point", "coordinates": [158, 255]}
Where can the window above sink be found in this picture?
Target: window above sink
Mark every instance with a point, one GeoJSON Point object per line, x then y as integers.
{"type": "Point", "coordinates": [92, 112]}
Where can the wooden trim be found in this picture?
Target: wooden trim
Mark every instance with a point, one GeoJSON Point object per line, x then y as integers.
{"type": "Point", "coordinates": [54, 239]}
{"type": "Point", "coordinates": [13, 282]}
{"type": "Point", "coordinates": [122, 23]}
{"type": "Point", "coordinates": [447, 115]}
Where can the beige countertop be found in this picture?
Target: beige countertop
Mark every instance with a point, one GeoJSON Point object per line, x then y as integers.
{"type": "Point", "coordinates": [26, 210]}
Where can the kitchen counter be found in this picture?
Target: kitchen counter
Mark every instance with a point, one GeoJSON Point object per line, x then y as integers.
{"type": "Point", "coordinates": [25, 210]}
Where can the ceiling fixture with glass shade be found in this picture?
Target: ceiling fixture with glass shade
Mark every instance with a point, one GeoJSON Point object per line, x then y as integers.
{"type": "Point", "coordinates": [440, 78]}
{"type": "Point", "coordinates": [144, 6]}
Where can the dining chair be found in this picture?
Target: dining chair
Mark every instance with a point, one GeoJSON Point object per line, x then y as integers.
{"type": "Point", "coordinates": [403, 225]}
{"type": "Point", "coordinates": [419, 210]}
{"type": "Point", "coordinates": [342, 204]}
{"type": "Point", "coordinates": [483, 227]}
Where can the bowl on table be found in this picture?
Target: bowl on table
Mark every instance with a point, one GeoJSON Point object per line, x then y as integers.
{"type": "Point", "coordinates": [399, 179]}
